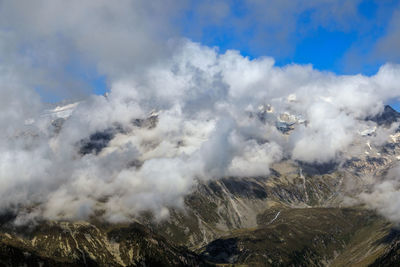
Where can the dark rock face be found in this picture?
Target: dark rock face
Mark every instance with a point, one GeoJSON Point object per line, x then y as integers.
{"type": "Point", "coordinates": [149, 122]}
{"type": "Point", "coordinates": [319, 168]}
{"type": "Point", "coordinates": [96, 142]}
{"type": "Point", "coordinates": [222, 251]}
{"type": "Point", "coordinates": [387, 117]}
{"type": "Point", "coordinates": [391, 257]}
{"type": "Point", "coordinates": [284, 127]}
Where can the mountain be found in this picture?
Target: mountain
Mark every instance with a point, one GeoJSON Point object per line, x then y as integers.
{"type": "Point", "coordinates": [387, 117]}
{"type": "Point", "coordinates": [298, 215]}
{"type": "Point", "coordinates": [86, 244]}
{"type": "Point", "coordinates": [301, 237]}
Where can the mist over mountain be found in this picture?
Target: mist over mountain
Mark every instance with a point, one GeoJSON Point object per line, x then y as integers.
{"type": "Point", "coordinates": [192, 153]}
{"type": "Point", "coordinates": [205, 125]}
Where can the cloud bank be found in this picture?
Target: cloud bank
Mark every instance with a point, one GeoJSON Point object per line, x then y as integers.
{"type": "Point", "coordinates": [384, 195]}
{"type": "Point", "coordinates": [177, 112]}
{"type": "Point", "coordinates": [197, 115]}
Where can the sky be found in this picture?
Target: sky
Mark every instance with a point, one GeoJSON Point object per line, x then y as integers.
{"type": "Point", "coordinates": [344, 37]}
{"type": "Point", "coordinates": [327, 34]}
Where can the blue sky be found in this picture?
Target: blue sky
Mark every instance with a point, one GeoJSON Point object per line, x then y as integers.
{"type": "Point", "coordinates": [337, 36]}
{"type": "Point", "coordinates": [349, 43]}
{"type": "Point", "coordinates": [326, 45]}
{"type": "Point", "coordinates": [344, 39]}
{"type": "Point", "coordinates": [340, 36]}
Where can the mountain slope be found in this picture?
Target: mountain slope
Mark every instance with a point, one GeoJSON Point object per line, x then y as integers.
{"type": "Point", "coordinates": [301, 237]}
{"type": "Point", "coordinates": [84, 244]}
{"type": "Point", "coordinates": [300, 214]}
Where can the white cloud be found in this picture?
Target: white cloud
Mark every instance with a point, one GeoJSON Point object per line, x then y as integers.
{"type": "Point", "coordinates": [207, 105]}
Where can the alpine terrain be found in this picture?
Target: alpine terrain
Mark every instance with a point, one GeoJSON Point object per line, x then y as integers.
{"type": "Point", "coordinates": [300, 214]}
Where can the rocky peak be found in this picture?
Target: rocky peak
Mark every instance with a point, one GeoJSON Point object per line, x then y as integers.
{"type": "Point", "coordinates": [387, 117]}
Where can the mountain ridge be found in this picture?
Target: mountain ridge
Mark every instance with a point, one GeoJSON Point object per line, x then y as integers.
{"type": "Point", "coordinates": [301, 214]}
